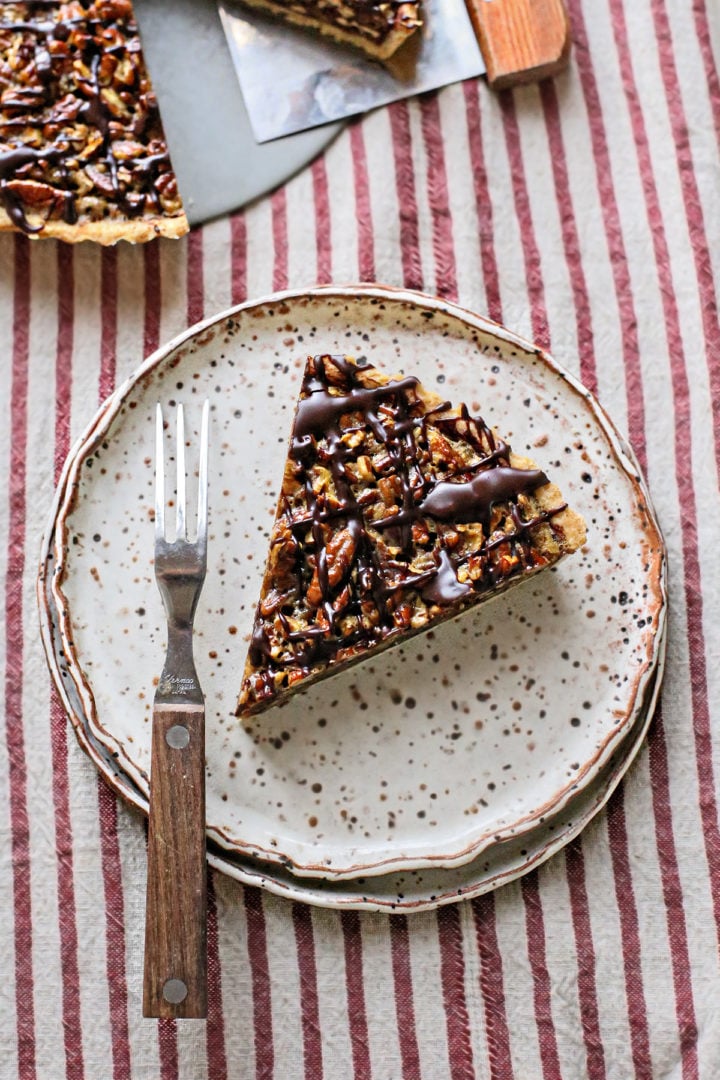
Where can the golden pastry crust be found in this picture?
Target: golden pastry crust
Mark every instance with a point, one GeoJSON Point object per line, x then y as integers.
{"type": "Point", "coordinates": [379, 29]}
{"type": "Point", "coordinates": [106, 233]}
{"type": "Point", "coordinates": [82, 150]}
{"type": "Point", "coordinates": [397, 511]}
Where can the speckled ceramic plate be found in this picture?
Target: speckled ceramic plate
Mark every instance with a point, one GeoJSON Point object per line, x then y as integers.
{"type": "Point", "coordinates": [433, 886]}
{"type": "Point", "coordinates": [406, 890]}
{"type": "Point", "coordinates": [435, 751]}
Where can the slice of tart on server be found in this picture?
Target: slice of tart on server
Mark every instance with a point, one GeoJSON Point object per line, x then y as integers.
{"type": "Point", "coordinates": [397, 511]}
{"type": "Point", "coordinates": [378, 27]}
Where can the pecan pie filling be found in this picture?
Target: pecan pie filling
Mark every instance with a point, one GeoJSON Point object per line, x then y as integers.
{"type": "Point", "coordinates": [397, 511]}
{"type": "Point", "coordinates": [82, 149]}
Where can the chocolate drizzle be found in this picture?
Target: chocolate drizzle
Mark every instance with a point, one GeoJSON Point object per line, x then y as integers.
{"type": "Point", "coordinates": [393, 513]}
{"type": "Point", "coordinates": [80, 129]}
{"type": "Point", "coordinates": [12, 160]}
{"type": "Point", "coordinates": [444, 587]}
{"type": "Point", "coordinates": [320, 411]}
{"type": "Point", "coordinates": [474, 499]}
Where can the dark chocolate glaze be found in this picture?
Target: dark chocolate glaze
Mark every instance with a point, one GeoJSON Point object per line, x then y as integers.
{"type": "Point", "coordinates": [12, 159]}
{"type": "Point", "coordinates": [321, 411]}
{"type": "Point", "coordinates": [444, 587]}
{"type": "Point", "coordinates": [47, 103]}
{"type": "Point", "coordinates": [474, 499]}
{"type": "Point", "coordinates": [348, 559]}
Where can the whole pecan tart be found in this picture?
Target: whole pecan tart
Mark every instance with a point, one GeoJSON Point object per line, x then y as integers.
{"type": "Point", "coordinates": [397, 511]}
{"type": "Point", "coordinates": [82, 150]}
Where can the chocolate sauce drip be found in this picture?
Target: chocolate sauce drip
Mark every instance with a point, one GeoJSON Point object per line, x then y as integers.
{"type": "Point", "coordinates": [474, 500]}
{"type": "Point", "coordinates": [348, 563]}
{"type": "Point", "coordinates": [259, 645]}
{"type": "Point", "coordinates": [12, 159]}
{"type": "Point", "coordinates": [444, 587]}
{"type": "Point", "coordinates": [320, 411]}
{"type": "Point", "coordinates": [15, 157]}
{"type": "Point", "coordinates": [48, 103]}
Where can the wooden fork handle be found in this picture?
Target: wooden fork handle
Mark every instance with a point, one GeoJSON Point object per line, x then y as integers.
{"type": "Point", "coordinates": [175, 978]}
{"type": "Point", "coordinates": [521, 40]}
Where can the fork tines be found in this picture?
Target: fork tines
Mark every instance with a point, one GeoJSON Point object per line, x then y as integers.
{"type": "Point", "coordinates": [181, 499]}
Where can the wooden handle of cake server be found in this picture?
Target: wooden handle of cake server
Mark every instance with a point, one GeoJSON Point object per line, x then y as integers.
{"type": "Point", "coordinates": [175, 980]}
{"type": "Point", "coordinates": [521, 40]}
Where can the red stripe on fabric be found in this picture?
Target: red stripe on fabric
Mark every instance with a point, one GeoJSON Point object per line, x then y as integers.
{"type": "Point", "coordinates": [107, 802]}
{"type": "Point", "coordinates": [307, 970]}
{"type": "Point", "coordinates": [108, 316]}
{"type": "Point", "coordinates": [238, 258]}
{"type": "Point", "coordinates": [492, 988]}
{"type": "Point", "coordinates": [613, 232]}
{"type": "Point", "coordinates": [438, 198]}
{"type": "Point", "coordinates": [574, 863]}
{"type": "Point", "coordinates": [114, 931]}
{"type": "Point", "coordinates": [452, 976]}
{"type": "Point", "coordinates": [587, 987]}
{"type": "Point", "coordinates": [658, 749]}
{"type": "Point", "coordinates": [363, 208]}
{"type": "Point", "coordinates": [585, 949]}
{"type": "Point", "coordinates": [166, 1030]}
{"type": "Point", "coordinates": [323, 236]}
{"type": "Point", "coordinates": [278, 204]}
{"type": "Point", "coordinates": [483, 204]}
{"type": "Point", "coordinates": [704, 34]}
{"type": "Point", "coordinates": [674, 904]}
{"type": "Point", "coordinates": [153, 298]}
{"type": "Point", "coordinates": [72, 1024]}
{"type": "Point", "coordinates": [261, 988]}
{"type": "Point", "coordinates": [357, 1015]}
{"type": "Point", "coordinates": [63, 356]}
{"type": "Point", "coordinates": [667, 854]}
{"type": "Point", "coordinates": [404, 1000]}
{"type": "Point", "coordinates": [215, 1028]}
{"type": "Point", "coordinates": [693, 209]}
{"type": "Point", "coordinates": [15, 740]}
{"type": "Point", "coordinates": [195, 277]}
{"type": "Point", "coordinates": [630, 931]}
{"type": "Point", "coordinates": [407, 201]}
{"type": "Point", "coordinates": [571, 240]}
{"type": "Point", "coordinates": [531, 252]}
{"type": "Point", "coordinates": [544, 1022]}
{"type": "Point", "coordinates": [167, 1044]}
{"type": "Point", "coordinates": [691, 562]}
{"type": "Point", "coordinates": [624, 887]}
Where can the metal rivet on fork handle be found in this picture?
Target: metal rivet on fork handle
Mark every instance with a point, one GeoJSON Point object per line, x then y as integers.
{"type": "Point", "coordinates": [174, 991]}
{"type": "Point", "coordinates": [177, 736]}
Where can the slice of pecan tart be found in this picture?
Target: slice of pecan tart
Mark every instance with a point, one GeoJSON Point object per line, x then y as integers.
{"type": "Point", "coordinates": [378, 27]}
{"type": "Point", "coordinates": [82, 150]}
{"type": "Point", "coordinates": [397, 511]}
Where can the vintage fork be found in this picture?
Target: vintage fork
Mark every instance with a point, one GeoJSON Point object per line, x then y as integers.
{"type": "Point", "coordinates": [175, 976]}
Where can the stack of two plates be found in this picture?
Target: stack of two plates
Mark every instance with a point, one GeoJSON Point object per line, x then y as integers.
{"type": "Point", "coordinates": [439, 769]}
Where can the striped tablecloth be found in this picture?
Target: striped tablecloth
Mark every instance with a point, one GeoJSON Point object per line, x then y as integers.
{"type": "Point", "coordinates": [584, 213]}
